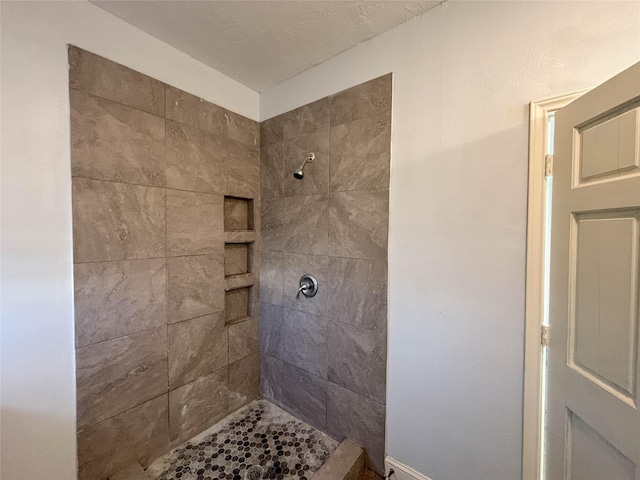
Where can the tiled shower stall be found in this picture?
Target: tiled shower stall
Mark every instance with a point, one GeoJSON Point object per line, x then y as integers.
{"type": "Point", "coordinates": [176, 204]}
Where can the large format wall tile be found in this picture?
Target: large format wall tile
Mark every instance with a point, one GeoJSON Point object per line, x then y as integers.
{"type": "Point", "coordinates": [359, 223]}
{"type": "Point", "coordinates": [194, 223]}
{"type": "Point", "coordinates": [116, 375]}
{"type": "Point", "coordinates": [306, 119]}
{"type": "Point", "coordinates": [110, 141]}
{"type": "Point", "coordinates": [195, 112]}
{"type": "Point", "coordinates": [360, 154]}
{"type": "Point", "coordinates": [334, 225]}
{"type": "Point", "coordinates": [242, 164]}
{"type": "Point", "coordinates": [244, 381]}
{"type": "Point", "coordinates": [97, 75]}
{"type": "Point", "coordinates": [271, 378]}
{"type": "Point", "coordinates": [115, 221]}
{"type": "Point", "coordinates": [271, 131]}
{"type": "Point", "coordinates": [271, 320]}
{"type": "Point", "coordinates": [316, 173]}
{"type": "Point", "coordinates": [137, 435]}
{"type": "Point", "coordinates": [195, 160]}
{"type": "Point", "coordinates": [305, 395]}
{"type": "Point", "coordinates": [196, 347]}
{"type": "Point", "coordinates": [271, 172]}
{"type": "Point", "coordinates": [357, 292]}
{"type": "Point", "coordinates": [272, 225]}
{"type": "Point", "coordinates": [358, 360]}
{"type": "Point", "coordinates": [242, 129]}
{"type": "Point", "coordinates": [306, 224]}
{"type": "Point", "coordinates": [115, 299]}
{"type": "Point", "coordinates": [197, 405]}
{"type": "Point", "coordinates": [243, 339]}
{"type": "Point", "coordinates": [353, 416]}
{"type": "Point", "coordinates": [369, 99]}
{"type": "Point", "coordinates": [304, 342]}
{"type": "Point", "coordinates": [295, 266]}
{"type": "Point", "coordinates": [271, 279]}
{"type": "Point", "coordinates": [195, 286]}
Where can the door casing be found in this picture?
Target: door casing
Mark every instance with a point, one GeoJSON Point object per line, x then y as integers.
{"type": "Point", "coordinates": [539, 112]}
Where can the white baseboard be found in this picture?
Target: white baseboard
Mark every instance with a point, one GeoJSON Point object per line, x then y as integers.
{"type": "Point", "coordinates": [401, 471]}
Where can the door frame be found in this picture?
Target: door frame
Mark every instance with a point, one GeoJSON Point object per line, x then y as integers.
{"type": "Point", "coordinates": [539, 113]}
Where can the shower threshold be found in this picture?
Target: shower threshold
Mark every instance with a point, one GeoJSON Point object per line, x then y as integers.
{"type": "Point", "coordinates": [259, 441]}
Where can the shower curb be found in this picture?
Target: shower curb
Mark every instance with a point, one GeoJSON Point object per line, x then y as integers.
{"type": "Point", "coordinates": [346, 463]}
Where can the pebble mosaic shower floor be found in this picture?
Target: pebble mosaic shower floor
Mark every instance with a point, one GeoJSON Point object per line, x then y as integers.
{"type": "Point", "coordinates": [259, 435]}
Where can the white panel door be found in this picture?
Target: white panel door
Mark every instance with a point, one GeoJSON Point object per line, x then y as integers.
{"type": "Point", "coordinates": [593, 417]}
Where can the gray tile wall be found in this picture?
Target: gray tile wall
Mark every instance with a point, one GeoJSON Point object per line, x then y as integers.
{"type": "Point", "coordinates": [324, 358]}
{"type": "Point", "coordinates": [156, 363]}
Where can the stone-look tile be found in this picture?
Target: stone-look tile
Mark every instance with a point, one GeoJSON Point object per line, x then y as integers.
{"type": "Point", "coordinates": [97, 75]}
{"type": "Point", "coordinates": [119, 374]}
{"type": "Point", "coordinates": [243, 339]}
{"type": "Point", "coordinates": [242, 129]}
{"type": "Point", "coordinates": [242, 164]}
{"type": "Point", "coordinates": [360, 153]}
{"type": "Point", "coordinates": [244, 381]}
{"type": "Point", "coordinates": [305, 395]}
{"type": "Point", "coordinates": [359, 223]}
{"type": "Point", "coordinates": [271, 277]}
{"type": "Point", "coordinates": [306, 224]}
{"type": "Point", "coordinates": [304, 342]}
{"type": "Point", "coordinates": [194, 223]}
{"type": "Point", "coordinates": [110, 141]}
{"type": "Point", "coordinates": [271, 378]}
{"type": "Point", "coordinates": [271, 172]}
{"type": "Point", "coordinates": [236, 259]}
{"type": "Point", "coordinates": [271, 321]}
{"type": "Point", "coordinates": [316, 173]}
{"type": "Point", "coordinates": [115, 299]}
{"type": "Point", "coordinates": [195, 112]}
{"type": "Point", "coordinates": [306, 119]}
{"type": "Point", "coordinates": [197, 347]}
{"type": "Point", "coordinates": [116, 221]}
{"type": "Point", "coordinates": [236, 304]}
{"type": "Point", "coordinates": [196, 406]}
{"type": "Point", "coordinates": [295, 266]}
{"type": "Point", "coordinates": [195, 286]}
{"type": "Point", "coordinates": [357, 292]}
{"type": "Point", "coordinates": [350, 415]}
{"type": "Point", "coordinates": [194, 160]}
{"type": "Point", "coordinates": [137, 435]}
{"type": "Point", "coordinates": [272, 225]}
{"type": "Point", "coordinates": [358, 360]}
{"type": "Point", "coordinates": [369, 99]}
{"type": "Point", "coordinates": [271, 131]}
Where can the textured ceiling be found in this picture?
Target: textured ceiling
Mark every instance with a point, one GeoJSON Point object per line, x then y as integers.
{"type": "Point", "coordinates": [262, 43]}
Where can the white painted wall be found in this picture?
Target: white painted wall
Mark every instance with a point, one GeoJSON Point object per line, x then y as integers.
{"type": "Point", "coordinates": [37, 346]}
{"type": "Point", "coordinates": [464, 74]}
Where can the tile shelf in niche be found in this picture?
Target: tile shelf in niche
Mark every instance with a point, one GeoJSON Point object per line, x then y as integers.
{"type": "Point", "coordinates": [243, 280]}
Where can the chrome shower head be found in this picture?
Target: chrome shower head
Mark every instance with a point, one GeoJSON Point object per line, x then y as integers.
{"type": "Point", "coordinates": [299, 173]}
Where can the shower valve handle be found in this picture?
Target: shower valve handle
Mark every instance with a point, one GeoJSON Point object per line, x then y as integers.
{"type": "Point", "coordinates": [308, 286]}
{"type": "Point", "coordinates": [303, 287]}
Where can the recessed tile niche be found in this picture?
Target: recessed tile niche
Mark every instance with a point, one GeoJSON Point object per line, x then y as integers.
{"type": "Point", "coordinates": [238, 214]}
{"type": "Point", "coordinates": [239, 263]}
{"type": "Point", "coordinates": [237, 305]}
{"type": "Point", "coordinates": [238, 259]}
